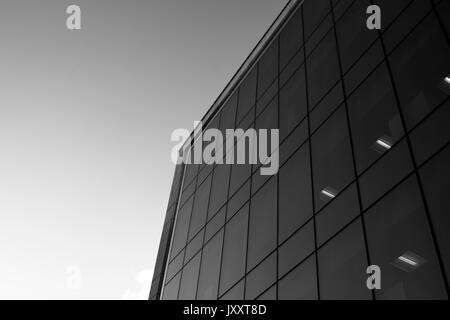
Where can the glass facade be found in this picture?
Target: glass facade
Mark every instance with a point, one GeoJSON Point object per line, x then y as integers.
{"type": "Point", "coordinates": [364, 174]}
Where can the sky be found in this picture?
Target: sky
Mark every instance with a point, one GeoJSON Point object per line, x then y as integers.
{"type": "Point", "coordinates": [85, 123]}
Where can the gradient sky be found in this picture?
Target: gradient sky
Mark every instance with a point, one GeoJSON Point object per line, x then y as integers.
{"type": "Point", "coordinates": [85, 124]}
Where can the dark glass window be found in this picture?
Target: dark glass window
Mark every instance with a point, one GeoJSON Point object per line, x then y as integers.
{"type": "Point", "coordinates": [270, 294]}
{"type": "Point", "coordinates": [209, 274]}
{"type": "Point", "coordinates": [409, 17]}
{"type": "Point", "coordinates": [215, 224]}
{"type": "Point", "coordinates": [323, 110]}
{"type": "Point", "coordinates": [181, 228]}
{"type": "Point", "coordinates": [395, 166]}
{"type": "Point", "coordinates": [238, 200]}
{"type": "Point", "coordinates": [314, 12]}
{"type": "Point", "coordinates": [323, 69]}
{"type": "Point", "coordinates": [200, 208]}
{"type": "Point", "coordinates": [337, 214]}
{"type": "Point", "coordinates": [228, 116]}
{"type": "Point", "coordinates": [297, 248]}
{"type": "Point", "coordinates": [292, 102]}
{"type": "Point", "coordinates": [420, 65]}
{"type": "Point", "coordinates": [268, 68]}
{"type": "Point", "coordinates": [234, 250]}
{"type": "Point", "coordinates": [391, 9]}
{"type": "Point", "coordinates": [295, 193]}
{"type": "Point", "coordinates": [400, 243]}
{"type": "Point", "coordinates": [174, 266]}
{"type": "Point", "coordinates": [235, 293]}
{"type": "Point", "coordinates": [353, 35]}
{"type": "Point", "coordinates": [431, 135]}
{"type": "Point", "coordinates": [194, 246]}
{"type": "Point", "coordinates": [219, 188]}
{"type": "Point", "coordinates": [191, 173]}
{"type": "Point", "coordinates": [444, 11]}
{"type": "Point", "coordinates": [291, 38]}
{"type": "Point", "coordinates": [332, 160]}
{"type": "Point", "coordinates": [171, 289]}
{"type": "Point", "coordinates": [247, 94]}
{"type": "Point", "coordinates": [293, 141]}
{"type": "Point", "coordinates": [188, 284]}
{"type": "Point", "coordinates": [436, 185]}
{"type": "Point", "coordinates": [374, 118]}
{"type": "Point", "coordinates": [261, 278]}
{"type": "Point", "coordinates": [262, 237]}
{"type": "Point", "coordinates": [301, 283]}
{"type": "Point", "coordinates": [342, 266]}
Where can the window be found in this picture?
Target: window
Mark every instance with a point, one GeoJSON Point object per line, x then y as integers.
{"type": "Point", "coordinates": [395, 166]}
{"type": "Point", "coordinates": [314, 12]}
{"type": "Point", "coordinates": [200, 208]}
{"type": "Point", "coordinates": [332, 160]}
{"type": "Point", "coordinates": [181, 228]}
{"type": "Point", "coordinates": [418, 82]}
{"type": "Point", "coordinates": [342, 266]}
{"type": "Point", "coordinates": [329, 103]}
{"type": "Point", "coordinates": [247, 94]}
{"type": "Point", "coordinates": [262, 277]}
{"type": "Point", "coordinates": [219, 188]}
{"type": "Point", "coordinates": [337, 214]}
{"type": "Point", "coordinates": [209, 274]}
{"type": "Point", "coordinates": [295, 193]}
{"type": "Point", "coordinates": [194, 246]}
{"type": "Point", "coordinates": [215, 224]}
{"type": "Point", "coordinates": [301, 283]}
{"type": "Point", "coordinates": [171, 289]}
{"type": "Point", "coordinates": [400, 242]}
{"type": "Point", "coordinates": [189, 279]}
{"type": "Point", "coordinates": [293, 141]}
{"type": "Point", "coordinates": [437, 188]}
{"type": "Point", "coordinates": [268, 68]}
{"type": "Point", "coordinates": [297, 248]}
{"type": "Point", "coordinates": [235, 293]}
{"type": "Point", "coordinates": [238, 200]}
{"type": "Point", "coordinates": [263, 223]}
{"type": "Point", "coordinates": [353, 35]}
{"type": "Point", "coordinates": [374, 119]}
{"type": "Point", "coordinates": [291, 38]}
{"type": "Point", "coordinates": [432, 134]}
{"type": "Point", "coordinates": [323, 69]}
{"type": "Point", "coordinates": [234, 250]}
{"type": "Point", "coordinates": [292, 102]}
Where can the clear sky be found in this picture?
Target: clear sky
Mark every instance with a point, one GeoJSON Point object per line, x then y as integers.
{"type": "Point", "coordinates": [85, 124]}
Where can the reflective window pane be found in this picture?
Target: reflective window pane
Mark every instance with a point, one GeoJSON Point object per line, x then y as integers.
{"type": "Point", "coordinates": [400, 244]}
{"type": "Point", "coordinates": [263, 276]}
{"type": "Point", "coordinates": [301, 283]}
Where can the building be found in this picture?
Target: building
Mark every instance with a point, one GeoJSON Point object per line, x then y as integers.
{"type": "Point", "coordinates": [364, 173]}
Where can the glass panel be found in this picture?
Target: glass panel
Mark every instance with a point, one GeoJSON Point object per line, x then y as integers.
{"type": "Point", "coordinates": [296, 249]}
{"type": "Point", "coordinates": [215, 224]}
{"type": "Point", "coordinates": [188, 285]}
{"type": "Point", "coordinates": [400, 244]}
{"type": "Point", "coordinates": [332, 160]}
{"type": "Point", "coordinates": [235, 293]}
{"type": "Point", "coordinates": [314, 11]}
{"type": "Point", "coordinates": [295, 193]}
{"type": "Point", "coordinates": [431, 135]}
{"type": "Point", "coordinates": [395, 166]}
{"type": "Point", "coordinates": [342, 266]}
{"type": "Point", "coordinates": [353, 35]}
{"type": "Point", "coordinates": [247, 94]}
{"type": "Point", "coordinates": [374, 118]}
{"type": "Point", "coordinates": [234, 250]}
{"type": "Point", "coordinates": [291, 38]}
{"type": "Point", "coordinates": [181, 228]}
{"type": "Point", "coordinates": [262, 237]}
{"type": "Point", "coordinates": [419, 66]}
{"type": "Point", "coordinates": [219, 188]}
{"type": "Point", "coordinates": [301, 283]}
{"type": "Point", "coordinates": [200, 208]}
{"type": "Point", "coordinates": [263, 276]}
{"type": "Point", "coordinates": [337, 214]}
{"type": "Point", "coordinates": [323, 69]}
{"type": "Point", "coordinates": [171, 289]}
{"type": "Point", "coordinates": [268, 68]}
{"type": "Point", "coordinates": [209, 274]}
{"type": "Point", "coordinates": [436, 186]}
{"type": "Point", "coordinates": [292, 102]}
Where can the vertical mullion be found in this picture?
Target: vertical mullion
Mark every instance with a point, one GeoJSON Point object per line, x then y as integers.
{"type": "Point", "coordinates": [310, 157]}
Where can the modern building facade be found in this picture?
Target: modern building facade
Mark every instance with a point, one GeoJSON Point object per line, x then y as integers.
{"type": "Point", "coordinates": [364, 173]}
